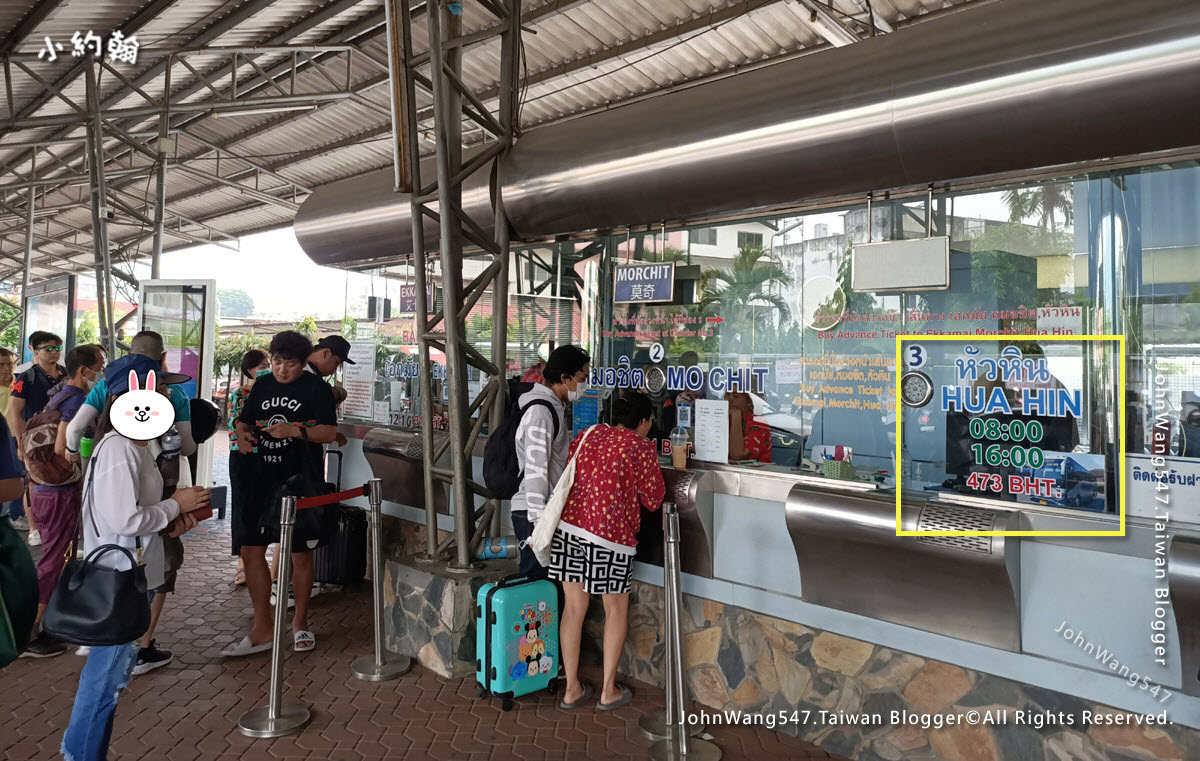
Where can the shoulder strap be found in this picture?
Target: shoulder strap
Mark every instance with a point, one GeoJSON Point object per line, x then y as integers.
{"type": "Point", "coordinates": [544, 403]}
{"type": "Point", "coordinates": [88, 503]}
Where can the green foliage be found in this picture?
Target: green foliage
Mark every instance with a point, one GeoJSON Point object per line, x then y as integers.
{"type": "Point", "coordinates": [87, 329]}
{"type": "Point", "coordinates": [9, 336]}
{"type": "Point", "coordinates": [668, 254]}
{"type": "Point", "coordinates": [749, 297]}
{"type": "Point", "coordinates": [229, 351]}
{"type": "Point", "coordinates": [307, 327]}
{"type": "Point", "coordinates": [1043, 202]}
{"type": "Point", "coordinates": [479, 330]}
{"type": "Point", "coordinates": [234, 302]}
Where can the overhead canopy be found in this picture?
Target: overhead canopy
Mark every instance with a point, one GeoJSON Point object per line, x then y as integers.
{"type": "Point", "coordinates": [244, 172]}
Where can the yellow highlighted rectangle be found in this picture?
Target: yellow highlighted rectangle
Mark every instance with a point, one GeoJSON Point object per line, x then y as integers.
{"type": "Point", "coordinates": [899, 371]}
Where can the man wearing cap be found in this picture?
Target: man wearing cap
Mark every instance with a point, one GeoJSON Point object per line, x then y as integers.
{"type": "Point", "coordinates": [328, 355]}
{"type": "Point", "coordinates": [147, 344]}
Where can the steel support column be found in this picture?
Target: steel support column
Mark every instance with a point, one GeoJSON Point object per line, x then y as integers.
{"type": "Point", "coordinates": [444, 64]}
{"type": "Point", "coordinates": [103, 260]}
{"type": "Point", "coordinates": [160, 195]}
{"type": "Point", "coordinates": [25, 272]}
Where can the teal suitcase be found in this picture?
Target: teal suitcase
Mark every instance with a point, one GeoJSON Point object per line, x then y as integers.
{"type": "Point", "coordinates": [516, 638]}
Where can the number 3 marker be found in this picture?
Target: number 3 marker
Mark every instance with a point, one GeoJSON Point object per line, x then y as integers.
{"type": "Point", "coordinates": [914, 356]}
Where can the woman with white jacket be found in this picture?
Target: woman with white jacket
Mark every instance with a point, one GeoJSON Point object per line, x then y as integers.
{"type": "Point", "coordinates": [122, 505]}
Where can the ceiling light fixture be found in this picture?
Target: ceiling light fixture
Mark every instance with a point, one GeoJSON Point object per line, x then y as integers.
{"type": "Point", "coordinates": [261, 110]}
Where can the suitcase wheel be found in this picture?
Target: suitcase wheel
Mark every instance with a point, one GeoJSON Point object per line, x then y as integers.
{"type": "Point", "coordinates": [481, 692]}
{"type": "Point", "coordinates": [506, 704]}
{"type": "Point", "coordinates": [552, 687]}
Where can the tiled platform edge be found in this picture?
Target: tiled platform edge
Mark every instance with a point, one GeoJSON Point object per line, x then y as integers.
{"type": "Point", "coordinates": [738, 660]}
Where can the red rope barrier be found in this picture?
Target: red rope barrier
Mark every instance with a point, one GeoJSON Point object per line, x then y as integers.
{"type": "Point", "coordinates": [328, 499]}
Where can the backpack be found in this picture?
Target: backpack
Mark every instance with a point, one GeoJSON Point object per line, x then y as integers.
{"type": "Point", "coordinates": [501, 470]}
{"type": "Point", "coordinates": [44, 465]}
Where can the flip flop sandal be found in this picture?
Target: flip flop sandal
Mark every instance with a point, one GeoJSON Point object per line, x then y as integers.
{"type": "Point", "coordinates": [303, 641]}
{"type": "Point", "coordinates": [245, 647]}
{"type": "Point", "coordinates": [587, 695]}
{"type": "Point", "coordinates": [625, 699]}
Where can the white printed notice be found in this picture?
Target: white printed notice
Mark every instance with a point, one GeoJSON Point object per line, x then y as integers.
{"type": "Point", "coordinates": [712, 430]}
{"type": "Point", "coordinates": [359, 380]}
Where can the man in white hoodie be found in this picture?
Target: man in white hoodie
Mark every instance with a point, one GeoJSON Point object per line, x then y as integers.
{"type": "Point", "coordinates": [542, 441]}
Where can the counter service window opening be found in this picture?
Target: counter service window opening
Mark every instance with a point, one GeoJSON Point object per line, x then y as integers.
{"type": "Point", "coordinates": [765, 308]}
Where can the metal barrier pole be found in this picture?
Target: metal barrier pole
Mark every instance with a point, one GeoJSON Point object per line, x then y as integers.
{"type": "Point", "coordinates": [276, 719]}
{"type": "Point", "coordinates": [678, 745]}
{"type": "Point", "coordinates": [658, 725]}
{"type": "Point", "coordinates": [381, 666]}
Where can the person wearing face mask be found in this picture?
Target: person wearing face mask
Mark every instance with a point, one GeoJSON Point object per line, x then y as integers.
{"type": "Point", "coordinates": [541, 455]}
{"type": "Point", "coordinates": [56, 508]}
{"type": "Point", "coordinates": [255, 364]}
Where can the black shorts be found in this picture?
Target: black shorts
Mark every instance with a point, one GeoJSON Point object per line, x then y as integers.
{"type": "Point", "coordinates": [254, 511]}
{"type": "Point", "coordinates": [600, 570]}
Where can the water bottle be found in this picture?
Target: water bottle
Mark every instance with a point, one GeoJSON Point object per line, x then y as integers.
{"type": "Point", "coordinates": [679, 448]}
{"type": "Point", "coordinates": [87, 442]}
{"type": "Point", "coordinates": [906, 464]}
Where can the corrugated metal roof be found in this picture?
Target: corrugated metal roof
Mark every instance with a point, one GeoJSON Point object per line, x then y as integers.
{"type": "Point", "coordinates": [583, 55]}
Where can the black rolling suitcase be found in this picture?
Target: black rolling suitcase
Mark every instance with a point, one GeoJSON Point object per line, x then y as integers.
{"type": "Point", "coordinates": [342, 559]}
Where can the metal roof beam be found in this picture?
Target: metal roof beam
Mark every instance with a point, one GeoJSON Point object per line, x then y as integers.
{"type": "Point", "coordinates": [28, 23]}
{"type": "Point", "coordinates": [686, 28]}
{"type": "Point", "coordinates": [826, 24]}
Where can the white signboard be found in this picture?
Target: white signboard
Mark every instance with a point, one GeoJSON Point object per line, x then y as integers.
{"type": "Point", "coordinates": [712, 430]}
{"type": "Point", "coordinates": [1060, 321]}
{"type": "Point", "coordinates": [789, 371]}
{"type": "Point", "coordinates": [359, 380]}
{"type": "Point", "coordinates": [1173, 488]}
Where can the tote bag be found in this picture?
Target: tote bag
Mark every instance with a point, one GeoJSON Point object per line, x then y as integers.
{"type": "Point", "coordinates": [543, 531]}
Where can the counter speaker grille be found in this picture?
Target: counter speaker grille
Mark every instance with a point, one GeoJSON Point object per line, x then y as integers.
{"type": "Point", "coordinates": [944, 518]}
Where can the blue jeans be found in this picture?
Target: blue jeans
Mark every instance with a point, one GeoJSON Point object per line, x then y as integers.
{"type": "Point", "coordinates": [529, 565]}
{"type": "Point", "coordinates": [107, 672]}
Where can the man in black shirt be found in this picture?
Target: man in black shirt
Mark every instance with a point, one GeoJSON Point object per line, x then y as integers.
{"type": "Point", "coordinates": [286, 418]}
{"type": "Point", "coordinates": [31, 389]}
{"type": "Point", "coordinates": [328, 355]}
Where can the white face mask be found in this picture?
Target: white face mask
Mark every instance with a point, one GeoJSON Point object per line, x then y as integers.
{"type": "Point", "coordinates": [577, 394]}
{"type": "Point", "coordinates": [91, 384]}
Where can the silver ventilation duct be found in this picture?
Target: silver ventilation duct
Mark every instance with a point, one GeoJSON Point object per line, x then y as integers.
{"type": "Point", "coordinates": [1011, 85]}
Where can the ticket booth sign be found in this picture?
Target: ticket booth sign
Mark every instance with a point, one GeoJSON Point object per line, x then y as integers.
{"type": "Point", "coordinates": [644, 283]}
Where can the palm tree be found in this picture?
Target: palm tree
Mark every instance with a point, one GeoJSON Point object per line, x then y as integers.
{"type": "Point", "coordinates": [1042, 201]}
{"type": "Point", "coordinates": [740, 293]}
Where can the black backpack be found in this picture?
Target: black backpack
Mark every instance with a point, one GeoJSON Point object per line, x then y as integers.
{"type": "Point", "coordinates": [501, 471]}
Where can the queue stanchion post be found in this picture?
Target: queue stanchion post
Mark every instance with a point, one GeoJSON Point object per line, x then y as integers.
{"type": "Point", "coordinates": [678, 745]}
{"type": "Point", "coordinates": [658, 725]}
{"type": "Point", "coordinates": [383, 665]}
{"type": "Point", "coordinates": [276, 719]}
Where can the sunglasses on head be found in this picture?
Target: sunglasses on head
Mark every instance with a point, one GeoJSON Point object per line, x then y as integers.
{"type": "Point", "coordinates": [50, 347]}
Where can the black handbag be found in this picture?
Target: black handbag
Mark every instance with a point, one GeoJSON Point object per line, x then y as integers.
{"type": "Point", "coordinates": [97, 606]}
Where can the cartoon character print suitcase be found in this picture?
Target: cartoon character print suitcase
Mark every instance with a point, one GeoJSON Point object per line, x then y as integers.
{"type": "Point", "coordinates": [516, 638]}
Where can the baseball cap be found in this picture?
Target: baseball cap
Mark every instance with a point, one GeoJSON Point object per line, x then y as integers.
{"type": "Point", "coordinates": [338, 346]}
{"type": "Point", "coordinates": [117, 373]}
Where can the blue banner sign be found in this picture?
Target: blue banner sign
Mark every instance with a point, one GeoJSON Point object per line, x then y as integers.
{"type": "Point", "coordinates": [643, 283]}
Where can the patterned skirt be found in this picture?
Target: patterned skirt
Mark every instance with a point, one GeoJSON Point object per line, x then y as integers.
{"type": "Point", "coordinates": [600, 570]}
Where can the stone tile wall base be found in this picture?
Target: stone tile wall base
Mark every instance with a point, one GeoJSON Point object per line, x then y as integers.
{"type": "Point", "coordinates": [429, 613]}
{"type": "Point", "coordinates": [742, 661]}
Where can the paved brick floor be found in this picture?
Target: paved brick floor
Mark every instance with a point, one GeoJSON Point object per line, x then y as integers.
{"type": "Point", "coordinates": [188, 710]}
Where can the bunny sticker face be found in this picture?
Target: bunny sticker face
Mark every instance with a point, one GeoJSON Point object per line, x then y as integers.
{"type": "Point", "coordinates": [142, 414]}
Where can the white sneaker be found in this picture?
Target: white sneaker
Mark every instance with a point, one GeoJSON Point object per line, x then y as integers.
{"type": "Point", "coordinates": [34, 539]}
{"type": "Point", "coordinates": [21, 524]}
{"type": "Point", "coordinates": [83, 650]}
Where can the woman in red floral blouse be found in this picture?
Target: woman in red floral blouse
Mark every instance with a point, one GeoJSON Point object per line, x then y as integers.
{"type": "Point", "coordinates": [616, 475]}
